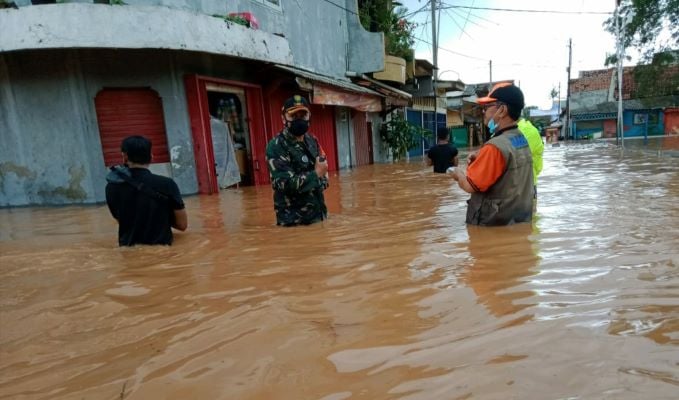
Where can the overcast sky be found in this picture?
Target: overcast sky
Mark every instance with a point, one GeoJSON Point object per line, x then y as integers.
{"type": "Point", "coordinates": [531, 48]}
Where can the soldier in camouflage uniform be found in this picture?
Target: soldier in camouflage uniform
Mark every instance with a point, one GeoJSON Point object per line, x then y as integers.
{"type": "Point", "coordinates": [297, 167]}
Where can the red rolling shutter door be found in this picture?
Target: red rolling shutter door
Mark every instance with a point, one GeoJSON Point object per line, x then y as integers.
{"type": "Point", "coordinates": [323, 127]}
{"type": "Point", "coordinates": [361, 138]}
{"type": "Point", "coordinates": [125, 112]}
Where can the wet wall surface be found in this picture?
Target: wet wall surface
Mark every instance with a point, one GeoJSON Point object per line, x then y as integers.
{"type": "Point", "coordinates": [392, 297]}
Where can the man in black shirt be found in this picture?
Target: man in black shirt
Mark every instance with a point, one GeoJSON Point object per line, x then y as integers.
{"type": "Point", "coordinates": [145, 205]}
{"type": "Point", "coordinates": [442, 155]}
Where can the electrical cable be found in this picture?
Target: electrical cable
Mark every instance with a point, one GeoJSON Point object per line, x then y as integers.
{"type": "Point", "coordinates": [529, 10]}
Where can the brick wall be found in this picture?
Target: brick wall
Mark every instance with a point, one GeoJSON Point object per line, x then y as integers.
{"type": "Point", "coordinates": [600, 79]}
{"type": "Point", "coordinates": [592, 80]}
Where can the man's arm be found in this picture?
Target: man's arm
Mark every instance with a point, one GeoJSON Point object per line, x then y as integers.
{"type": "Point", "coordinates": [283, 176]}
{"type": "Point", "coordinates": [461, 179]}
{"type": "Point", "coordinates": [181, 220]}
{"type": "Point", "coordinates": [488, 166]}
{"type": "Point", "coordinates": [111, 201]}
{"type": "Point", "coordinates": [454, 160]}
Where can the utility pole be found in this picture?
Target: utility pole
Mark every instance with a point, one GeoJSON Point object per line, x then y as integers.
{"type": "Point", "coordinates": [434, 49]}
{"type": "Point", "coordinates": [558, 102]}
{"type": "Point", "coordinates": [568, 90]}
{"type": "Point", "coordinates": [490, 69]}
{"type": "Point", "coordinates": [619, 140]}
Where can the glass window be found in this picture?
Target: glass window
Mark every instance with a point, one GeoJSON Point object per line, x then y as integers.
{"type": "Point", "coordinates": [276, 4]}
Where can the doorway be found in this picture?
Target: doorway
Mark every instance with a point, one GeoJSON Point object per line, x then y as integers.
{"type": "Point", "coordinates": [228, 105]}
{"type": "Point", "coordinates": [241, 105]}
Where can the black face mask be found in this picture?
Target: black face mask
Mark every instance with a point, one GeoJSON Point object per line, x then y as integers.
{"type": "Point", "coordinates": [298, 127]}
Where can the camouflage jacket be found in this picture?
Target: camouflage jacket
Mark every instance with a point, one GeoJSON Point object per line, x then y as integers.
{"type": "Point", "coordinates": [298, 191]}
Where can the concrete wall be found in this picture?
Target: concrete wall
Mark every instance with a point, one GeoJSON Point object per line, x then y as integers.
{"type": "Point", "coordinates": [56, 26]}
{"type": "Point", "coordinates": [346, 151]}
{"type": "Point", "coordinates": [365, 49]}
{"type": "Point", "coordinates": [588, 99]}
{"type": "Point", "coordinates": [381, 153]}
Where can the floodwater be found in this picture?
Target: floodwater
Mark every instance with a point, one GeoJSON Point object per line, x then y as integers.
{"type": "Point", "coordinates": [393, 297]}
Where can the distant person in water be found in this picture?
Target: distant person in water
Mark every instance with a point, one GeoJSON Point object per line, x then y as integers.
{"type": "Point", "coordinates": [537, 147]}
{"type": "Point", "coordinates": [146, 206]}
{"type": "Point", "coordinates": [443, 155]}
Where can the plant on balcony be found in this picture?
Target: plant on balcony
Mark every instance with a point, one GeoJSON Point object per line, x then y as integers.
{"type": "Point", "coordinates": [400, 135]}
{"type": "Point", "coordinates": [234, 19]}
{"type": "Point", "coordinates": [389, 17]}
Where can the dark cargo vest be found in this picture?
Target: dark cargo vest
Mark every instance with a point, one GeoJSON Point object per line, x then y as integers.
{"type": "Point", "coordinates": [510, 199]}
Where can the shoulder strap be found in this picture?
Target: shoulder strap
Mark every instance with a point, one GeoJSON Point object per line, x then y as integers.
{"type": "Point", "coordinates": [140, 186]}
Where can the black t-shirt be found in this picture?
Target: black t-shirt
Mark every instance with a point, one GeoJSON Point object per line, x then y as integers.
{"type": "Point", "coordinates": [441, 156]}
{"type": "Point", "coordinates": [143, 219]}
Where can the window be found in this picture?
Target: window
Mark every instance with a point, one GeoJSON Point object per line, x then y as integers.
{"type": "Point", "coordinates": [640, 119]}
{"type": "Point", "coordinates": [275, 4]}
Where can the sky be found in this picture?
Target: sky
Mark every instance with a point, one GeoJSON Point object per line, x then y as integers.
{"type": "Point", "coordinates": [531, 48]}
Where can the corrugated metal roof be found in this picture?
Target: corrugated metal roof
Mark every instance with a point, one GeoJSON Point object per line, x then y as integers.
{"type": "Point", "coordinates": [387, 89]}
{"type": "Point", "coordinates": [312, 76]}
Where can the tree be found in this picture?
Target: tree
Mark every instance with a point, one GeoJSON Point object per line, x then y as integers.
{"type": "Point", "coordinates": [554, 93]}
{"type": "Point", "coordinates": [389, 17]}
{"type": "Point", "coordinates": [645, 21]}
{"type": "Point", "coordinates": [400, 135]}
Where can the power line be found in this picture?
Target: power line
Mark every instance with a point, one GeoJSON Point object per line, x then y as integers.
{"type": "Point", "coordinates": [446, 6]}
{"type": "Point", "coordinates": [458, 13]}
{"type": "Point", "coordinates": [451, 51]}
{"type": "Point", "coordinates": [342, 7]}
{"type": "Point", "coordinates": [458, 25]}
{"type": "Point", "coordinates": [410, 14]}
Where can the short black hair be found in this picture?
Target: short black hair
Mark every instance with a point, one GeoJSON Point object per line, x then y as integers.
{"type": "Point", "coordinates": [442, 133]}
{"type": "Point", "coordinates": [137, 148]}
{"type": "Point", "coordinates": [514, 111]}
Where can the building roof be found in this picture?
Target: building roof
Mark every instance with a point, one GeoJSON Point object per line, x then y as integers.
{"type": "Point", "coordinates": [342, 84]}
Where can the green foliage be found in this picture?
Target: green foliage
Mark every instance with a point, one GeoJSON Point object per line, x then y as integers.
{"type": "Point", "coordinates": [400, 135]}
{"type": "Point", "coordinates": [645, 20]}
{"type": "Point", "coordinates": [554, 93]}
{"type": "Point", "coordinates": [390, 18]}
{"type": "Point", "coordinates": [234, 19]}
{"type": "Point", "coordinates": [656, 79]}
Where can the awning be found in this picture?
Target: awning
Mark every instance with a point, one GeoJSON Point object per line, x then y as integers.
{"type": "Point", "coordinates": [331, 91]}
{"type": "Point", "coordinates": [393, 96]}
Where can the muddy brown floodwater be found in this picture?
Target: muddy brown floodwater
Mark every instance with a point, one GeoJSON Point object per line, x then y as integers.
{"type": "Point", "coordinates": [393, 297]}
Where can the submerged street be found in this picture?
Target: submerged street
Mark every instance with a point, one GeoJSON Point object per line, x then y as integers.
{"type": "Point", "coordinates": [392, 297]}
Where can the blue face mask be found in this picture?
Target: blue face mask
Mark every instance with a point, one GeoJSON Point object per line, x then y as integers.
{"type": "Point", "coordinates": [492, 126]}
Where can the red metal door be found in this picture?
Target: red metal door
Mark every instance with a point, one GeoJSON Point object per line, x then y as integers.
{"type": "Point", "coordinates": [323, 127]}
{"type": "Point", "coordinates": [130, 111]}
{"type": "Point", "coordinates": [258, 137]}
{"type": "Point", "coordinates": [361, 139]}
{"type": "Point", "coordinates": [370, 142]}
{"type": "Point", "coordinates": [197, 102]}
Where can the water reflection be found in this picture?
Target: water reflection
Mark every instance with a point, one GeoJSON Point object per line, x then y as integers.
{"type": "Point", "coordinates": [503, 258]}
{"type": "Point", "coordinates": [392, 297]}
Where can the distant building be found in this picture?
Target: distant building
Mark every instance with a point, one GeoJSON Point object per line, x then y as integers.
{"type": "Point", "coordinates": [650, 101]}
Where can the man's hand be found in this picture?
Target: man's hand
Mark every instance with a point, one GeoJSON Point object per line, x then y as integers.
{"type": "Point", "coordinates": [471, 157]}
{"type": "Point", "coordinates": [321, 167]}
